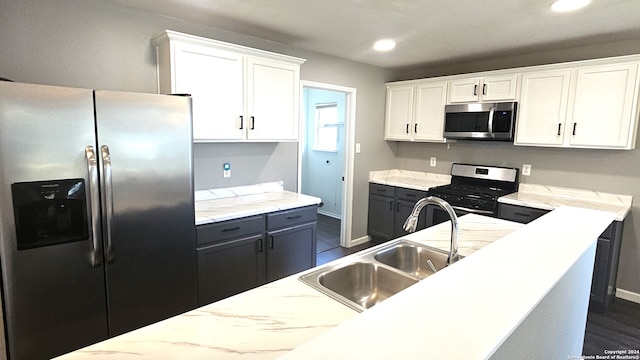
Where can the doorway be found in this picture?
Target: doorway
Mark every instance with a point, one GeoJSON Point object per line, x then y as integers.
{"type": "Point", "coordinates": [326, 158]}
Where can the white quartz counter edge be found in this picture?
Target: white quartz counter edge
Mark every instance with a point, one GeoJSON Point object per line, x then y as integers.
{"type": "Point", "coordinates": [551, 197]}
{"type": "Point", "coordinates": [467, 310]}
{"type": "Point", "coordinates": [228, 208]}
{"type": "Point", "coordinates": [408, 179]}
{"type": "Point", "coordinates": [270, 320]}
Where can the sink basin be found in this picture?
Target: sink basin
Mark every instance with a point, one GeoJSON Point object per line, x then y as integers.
{"type": "Point", "coordinates": [365, 283]}
{"type": "Point", "coordinates": [363, 280]}
{"type": "Point", "coordinates": [413, 259]}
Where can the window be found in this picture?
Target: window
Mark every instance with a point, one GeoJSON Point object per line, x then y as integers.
{"type": "Point", "coordinates": [326, 126]}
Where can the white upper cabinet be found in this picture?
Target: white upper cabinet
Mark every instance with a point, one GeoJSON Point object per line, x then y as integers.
{"type": "Point", "coordinates": [543, 108]}
{"type": "Point", "coordinates": [483, 89]}
{"type": "Point", "coordinates": [604, 109]}
{"type": "Point", "coordinates": [415, 112]}
{"type": "Point", "coordinates": [273, 100]}
{"type": "Point", "coordinates": [587, 107]}
{"type": "Point", "coordinates": [239, 93]}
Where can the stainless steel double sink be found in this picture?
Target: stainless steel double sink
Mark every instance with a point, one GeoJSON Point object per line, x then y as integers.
{"type": "Point", "coordinates": [368, 278]}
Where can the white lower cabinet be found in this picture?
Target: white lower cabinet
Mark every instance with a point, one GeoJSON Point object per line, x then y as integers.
{"type": "Point", "coordinates": [239, 93]}
{"type": "Point", "coordinates": [415, 112]}
{"type": "Point", "coordinates": [586, 107]}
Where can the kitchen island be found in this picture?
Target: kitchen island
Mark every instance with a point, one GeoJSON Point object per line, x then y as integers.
{"type": "Point", "coordinates": [464, 311]}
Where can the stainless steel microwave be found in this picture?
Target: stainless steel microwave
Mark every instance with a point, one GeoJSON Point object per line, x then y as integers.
{"type": "Point", "coordinates": [482, 121]}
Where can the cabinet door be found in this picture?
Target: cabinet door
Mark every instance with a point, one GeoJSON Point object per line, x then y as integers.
{"type": "Point", "coordinates": [600, 280]}
{"type": "Point", "coordinates": [229, 268]}
{"type": "Point", "coordinates": [272, 100]}
{"type": "Point", "coordinates": [429, 111]}
{"type": "Point", "coordinates": [543, 108]}
{"type": "Point", "coordinates": [499, 88]}
{"type": "Point", "coordinates": [380, 218]}
{"type": "Point", "coordinates": [465, 90]}
{"type": "Point", "coordinates": [399, 112]}
{"type": "Point", "coordinates": [291, 250]}
{"type": "Point", "coordinates": [603, 108]}
{"type": "Point", "coordinates": [214, 79]}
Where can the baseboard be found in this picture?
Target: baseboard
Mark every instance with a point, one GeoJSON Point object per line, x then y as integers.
{"type": "Point", "coordinates": [335, 216]}
{"type": "Point", "coordinates": [358, 241]}
{"type": "Point", "coordinates": [628, 295]}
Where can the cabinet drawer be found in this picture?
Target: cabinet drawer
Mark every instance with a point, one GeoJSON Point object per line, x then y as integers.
{"type": "Point", "coordinates": [519, 214]}
{"type": "Point", "coordinates": [382, 190]}
{"type": "Point", "coordinates": [410, 194]}
{"type": "Point", "coordinates": [229, 229]}
{"type": "Point", "coordinates": [292, 217]}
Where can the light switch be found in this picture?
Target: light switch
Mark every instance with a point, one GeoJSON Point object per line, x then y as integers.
{"type": "Point", "coordinates": [357, 148]}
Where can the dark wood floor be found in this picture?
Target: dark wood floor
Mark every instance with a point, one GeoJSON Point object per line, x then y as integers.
{"type": "Point", "coordinates": [617, 329]}
{"type": "Point", "coordinates": [329, 247]}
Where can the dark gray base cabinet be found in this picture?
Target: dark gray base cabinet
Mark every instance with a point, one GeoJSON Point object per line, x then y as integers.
{"type": "Point", "coordinates": [238, 255]}
{"type": "Point", "coordinates": [605, 268]}
{"type": "Point", "coordinates": [389, 207]}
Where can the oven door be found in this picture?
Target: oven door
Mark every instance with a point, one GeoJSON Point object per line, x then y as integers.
{"type": "Point", "coordinates": [435, 215]}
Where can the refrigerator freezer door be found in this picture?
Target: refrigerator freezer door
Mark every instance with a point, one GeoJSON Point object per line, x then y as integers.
{"type": "Point", "coordinates": [54, 298]}
{"type": "Point", "coordinates": [146, 164]}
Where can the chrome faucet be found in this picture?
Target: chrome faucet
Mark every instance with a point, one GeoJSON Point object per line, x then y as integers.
{"type": "Point", "coordinates": [412, 221]}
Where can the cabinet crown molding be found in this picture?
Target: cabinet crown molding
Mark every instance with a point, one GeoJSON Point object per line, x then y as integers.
{"type": "Point", "coordinates": [168, 35]}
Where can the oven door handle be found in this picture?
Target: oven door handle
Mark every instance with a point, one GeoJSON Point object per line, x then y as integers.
{"type": "Point", "coordinates": [474, 211]}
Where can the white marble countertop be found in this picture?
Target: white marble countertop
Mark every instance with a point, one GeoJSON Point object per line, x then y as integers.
{"type": "Point", "coordinates": [222, 204]}
{"type": "Point", "coordinates": [409, 179]}
{"type": "Point", "coordinates": [270, 320]}
{"type": "Point", "coordinates": [552, 197]}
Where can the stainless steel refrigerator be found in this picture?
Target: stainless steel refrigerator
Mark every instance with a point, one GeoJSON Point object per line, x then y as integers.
{"type": "Point", "coordinates": [96, 214]}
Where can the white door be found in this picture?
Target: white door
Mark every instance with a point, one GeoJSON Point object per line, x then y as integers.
{"type": "Point", "coordinates": [543, 108]}
{"type": "Point", "coordinates": [272, 100]}
{"type": "Point", "coordinates": [499, 88]}
{"type": "Point", "coordinates": [214, 79]}
{"type": "Point", "coordinates": [431, 98]}
{"type": "Point", "coordinates": [399, 112]}
{"type": "Point", "coordinates": [602, 110]}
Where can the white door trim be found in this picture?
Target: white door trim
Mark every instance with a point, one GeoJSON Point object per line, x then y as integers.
{"type": "Point", "coordinates": [349, 146]}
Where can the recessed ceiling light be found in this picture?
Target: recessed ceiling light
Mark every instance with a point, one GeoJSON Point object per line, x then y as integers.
{"type": "Point", "coordinates": [384, 45]}
{"type": "Point", "coordinates": [569, 5]}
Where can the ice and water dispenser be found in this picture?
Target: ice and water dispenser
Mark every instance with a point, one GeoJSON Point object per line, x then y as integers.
{"type": "Point", "coordinates": [49, 212]}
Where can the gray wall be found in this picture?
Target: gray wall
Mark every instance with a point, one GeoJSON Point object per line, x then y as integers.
{"type": "Point", "coordinates": [91, 44]}
{"type": "Point", "coordinates": [609, 171]}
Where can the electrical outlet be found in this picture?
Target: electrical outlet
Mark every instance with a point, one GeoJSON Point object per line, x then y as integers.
{"type": "Point", "coordinates": [432, 162]}
{"type": "Point", "coordinates": [526, 169]}
{"type": "Point", "coordinates": [226, 170]}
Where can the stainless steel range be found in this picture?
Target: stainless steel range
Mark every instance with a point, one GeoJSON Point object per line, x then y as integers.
{"type": "Point", "coordinates": [473, 189]}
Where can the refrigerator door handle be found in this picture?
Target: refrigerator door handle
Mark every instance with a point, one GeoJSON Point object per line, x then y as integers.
{"type": "Point", "coordinates": [108, 202]}
{"type": "Point", "coordinates": [92, 167]}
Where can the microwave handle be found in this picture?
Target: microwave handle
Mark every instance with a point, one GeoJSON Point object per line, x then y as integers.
{"type": "Point", "coordinates": [491, 112]}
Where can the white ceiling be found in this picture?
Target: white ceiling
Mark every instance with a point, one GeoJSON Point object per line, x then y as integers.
{"type": "Point", "coordinates": [428, 32]}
